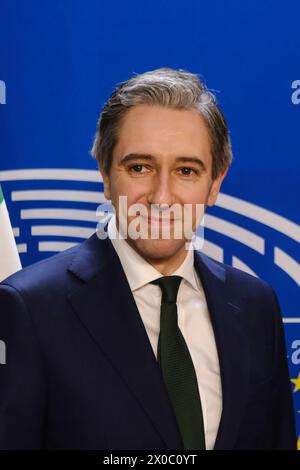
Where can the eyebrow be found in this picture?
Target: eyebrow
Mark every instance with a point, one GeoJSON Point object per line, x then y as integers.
{"type": "Point", "coordinates": [150, 158]}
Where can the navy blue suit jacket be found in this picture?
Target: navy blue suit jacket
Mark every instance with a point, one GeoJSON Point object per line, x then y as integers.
{"type": "Point", "coordinates": [80, 372]}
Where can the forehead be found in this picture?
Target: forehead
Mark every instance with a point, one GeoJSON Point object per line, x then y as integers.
{"type": "Point", "coordinates": [161, 130]}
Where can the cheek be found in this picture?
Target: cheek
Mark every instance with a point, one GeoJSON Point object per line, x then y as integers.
{"type": "Point", "coordinates": [193, 194]}
{"type": "Point", "coordinates": [134, 194]}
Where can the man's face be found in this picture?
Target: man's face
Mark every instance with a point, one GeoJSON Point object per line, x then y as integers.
{"type": "Point", "coordinates": [163, 157]}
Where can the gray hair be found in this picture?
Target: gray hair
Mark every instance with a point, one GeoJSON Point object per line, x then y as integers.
{"type": "Point", "coordinates": [168, 87]}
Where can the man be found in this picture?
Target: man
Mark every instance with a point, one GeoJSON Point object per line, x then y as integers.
{"type": "Point", "coordinates": [144, 342]}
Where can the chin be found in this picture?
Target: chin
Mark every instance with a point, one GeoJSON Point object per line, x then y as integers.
{"type": "Point", "coordinates": [157, 249]}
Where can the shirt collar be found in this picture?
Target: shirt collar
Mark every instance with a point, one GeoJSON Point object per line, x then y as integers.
{"type": "Point", "coordinates": [138, 271]}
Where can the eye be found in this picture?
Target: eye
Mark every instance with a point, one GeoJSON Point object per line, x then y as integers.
{"type": "Point", "coordinates": [136, 168]}
{"type": "Point", "coordinates": [188, 170]}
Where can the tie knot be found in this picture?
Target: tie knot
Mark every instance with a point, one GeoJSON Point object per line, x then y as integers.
{"type": "Point", "coordinates": [169, 286]}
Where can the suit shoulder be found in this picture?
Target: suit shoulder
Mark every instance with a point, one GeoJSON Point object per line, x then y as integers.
{"type": "Point", "coordinates": [43, 274]}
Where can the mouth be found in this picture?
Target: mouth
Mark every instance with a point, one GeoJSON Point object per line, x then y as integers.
{"type": "Point", "coordinates": [160, 220]}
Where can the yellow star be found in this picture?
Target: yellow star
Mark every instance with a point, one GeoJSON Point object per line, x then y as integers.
{"type": "Point", "coordinates": [298, 443]}
{"type": "Point", "coordinates": [297, 383]}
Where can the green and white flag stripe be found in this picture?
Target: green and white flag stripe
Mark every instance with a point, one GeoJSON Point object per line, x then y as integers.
{"type": "Point", "coordinates": [9, 256]}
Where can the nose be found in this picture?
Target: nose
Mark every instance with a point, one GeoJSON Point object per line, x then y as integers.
{"type": "Point", "coordinates": [161, 191]}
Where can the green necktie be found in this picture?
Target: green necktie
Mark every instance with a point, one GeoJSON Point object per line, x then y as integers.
{"type": "Point", "coordinates": [178, 369]}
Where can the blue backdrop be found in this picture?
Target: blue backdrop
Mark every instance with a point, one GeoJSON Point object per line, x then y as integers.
{"type": "Point", "coordinates": [61, 59]}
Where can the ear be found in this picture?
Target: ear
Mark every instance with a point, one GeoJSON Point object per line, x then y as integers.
{"type": "Point", "coordinates": [215, 187]}
{"type": "Point", "coordinates": [106, 184]}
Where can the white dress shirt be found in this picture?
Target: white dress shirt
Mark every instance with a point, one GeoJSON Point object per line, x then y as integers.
{"type": "Point", "coordinates": [193, 321]}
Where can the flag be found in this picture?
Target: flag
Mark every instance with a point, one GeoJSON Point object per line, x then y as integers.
{"type": "Point", "coordinates": [9, 256]}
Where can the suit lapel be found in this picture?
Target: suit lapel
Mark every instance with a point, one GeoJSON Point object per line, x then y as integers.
{"type": "Point", "coordinates": [231, 345]}
{"type": "Point", "coordinates": [106, 307]}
